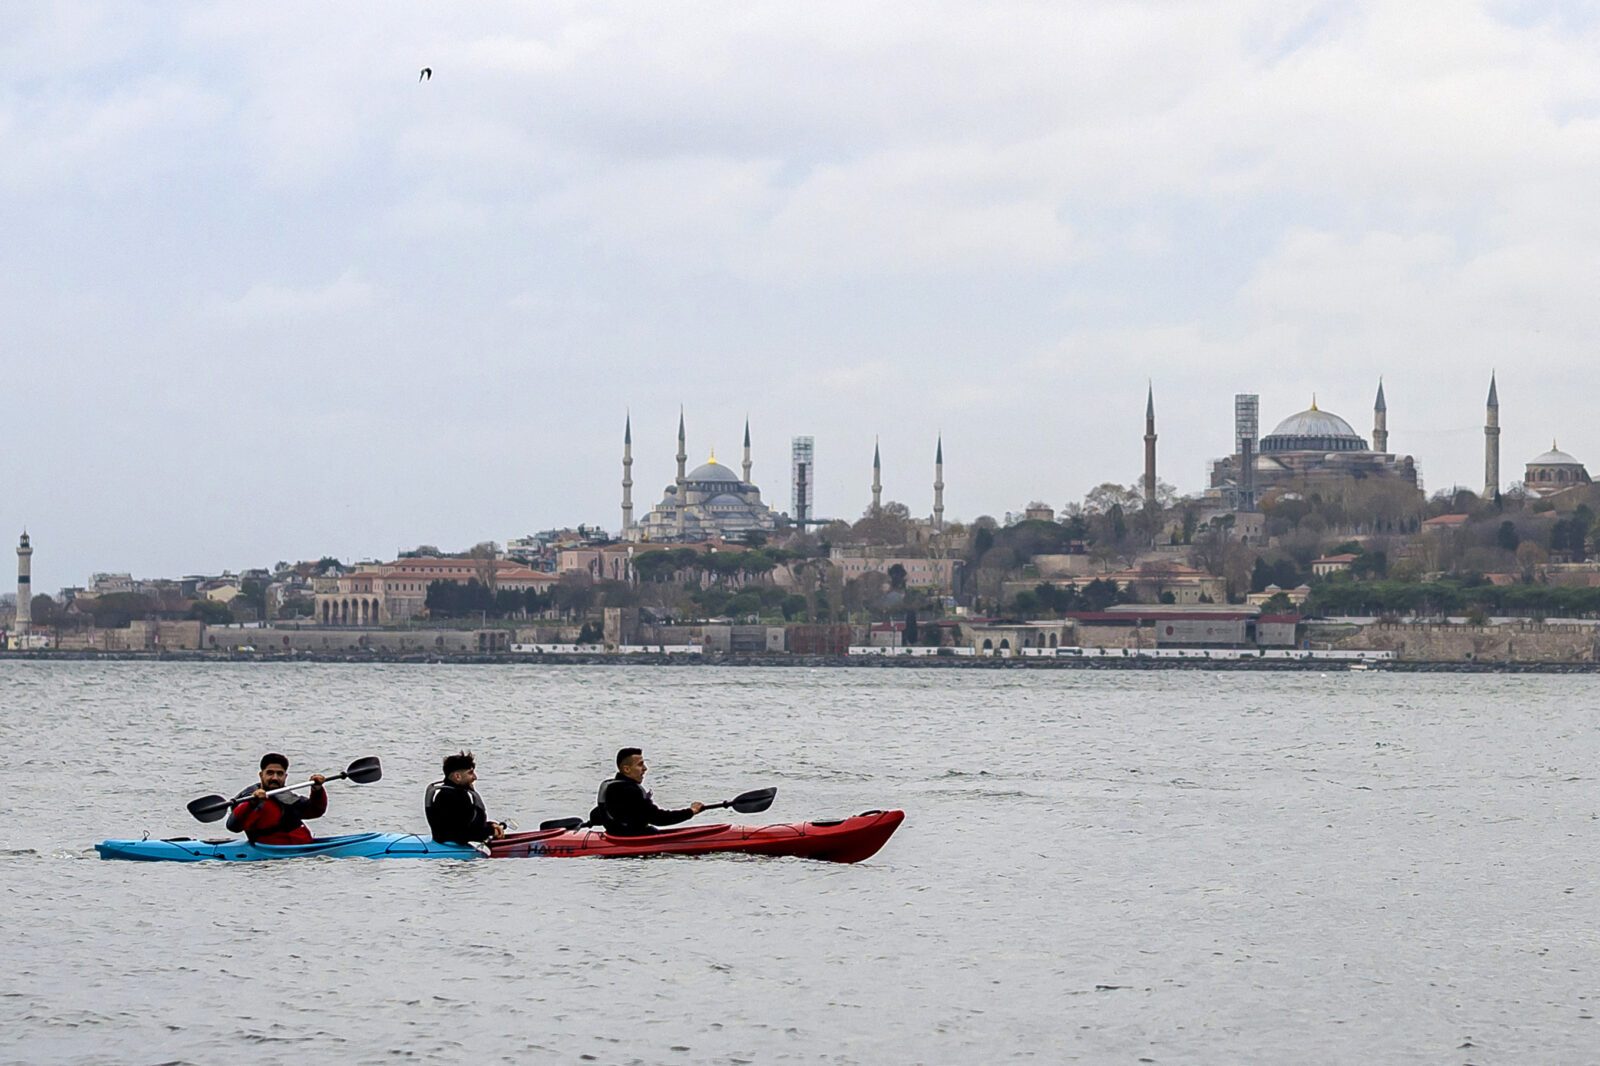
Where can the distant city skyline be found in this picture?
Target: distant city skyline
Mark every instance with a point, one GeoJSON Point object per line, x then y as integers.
{"type": "Point", "coordinates": [268, 296]}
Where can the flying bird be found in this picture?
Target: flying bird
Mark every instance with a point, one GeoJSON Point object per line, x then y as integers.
{"type": "Point", "coordinates": [426, 75]}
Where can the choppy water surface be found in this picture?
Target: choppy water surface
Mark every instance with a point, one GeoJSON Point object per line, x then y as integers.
{"type": "Point", "coordinates": [1096, 866]}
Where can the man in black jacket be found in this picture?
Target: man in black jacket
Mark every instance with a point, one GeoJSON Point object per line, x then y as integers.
{"type": "Point", "coordinates": [455, 810]}
{"type": "Point", "coordinates": [624, 806]}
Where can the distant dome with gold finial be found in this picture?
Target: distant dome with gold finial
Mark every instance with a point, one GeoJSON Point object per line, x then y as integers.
{"type": "Point", "coordinates": [1313, 430]}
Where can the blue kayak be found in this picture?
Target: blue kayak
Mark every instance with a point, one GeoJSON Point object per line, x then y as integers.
{"type": "Point", "coordinates": [237, 849]}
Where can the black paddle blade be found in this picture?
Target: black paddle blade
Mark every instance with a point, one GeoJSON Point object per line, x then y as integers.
{"type": "Point", "coordinates": [753, 802]}
{"type": "Point", "coordinates": [210, 808]}
{"type": "Point", "coordinates": [562, 823]}
{"type": "Point", "coordinates": [364, 771]}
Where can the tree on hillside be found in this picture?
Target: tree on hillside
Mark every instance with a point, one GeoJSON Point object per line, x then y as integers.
{"type": "Point", "coordinates": [574, 593]}
{"type": "Point", "coordinates": [1108, 494]}
{"type": "Point", "coordinates": [889, 525]}
{"type": "Point", "coordinates": [209, 612]}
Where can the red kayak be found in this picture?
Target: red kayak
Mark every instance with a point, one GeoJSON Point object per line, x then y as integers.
{"type": "Point", "coordinates": [843, 840]}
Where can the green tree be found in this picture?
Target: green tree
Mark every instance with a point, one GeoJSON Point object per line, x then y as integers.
{"type": "Point", "coordinates": [210, 612]}
{"type": "Point", "coordinates": [43, 610]}
{"type": "Point", "coordinates": [897, 577]}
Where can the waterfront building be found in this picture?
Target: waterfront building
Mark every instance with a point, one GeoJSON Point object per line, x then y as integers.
{"type": "Point", "coordinates": [375, 593]}
{"type": "Point", "coordinates": [936, 574]}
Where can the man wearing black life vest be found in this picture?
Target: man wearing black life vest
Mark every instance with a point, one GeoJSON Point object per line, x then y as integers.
{"type": "Point", "coordinates": [454, 808]}
{"type": "Point", "coordinates": [624, 806]}
{"type": "Point", "coordinates": [281, 819]}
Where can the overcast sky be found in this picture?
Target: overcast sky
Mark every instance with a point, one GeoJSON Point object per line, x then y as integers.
{"type": "Point", "coordinates": [267, 296]}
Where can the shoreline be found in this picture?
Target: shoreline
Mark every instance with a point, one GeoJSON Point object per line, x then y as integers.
{"type": "Point", "coordinates": [821, 661]}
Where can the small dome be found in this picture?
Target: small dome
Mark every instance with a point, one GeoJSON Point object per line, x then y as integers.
{"type": "Point", "coordinates": [726, 499]}
{"type": "Point", "coordinates": [1554, 457]}
{"type": "Point", "coordinates": [712, 471]}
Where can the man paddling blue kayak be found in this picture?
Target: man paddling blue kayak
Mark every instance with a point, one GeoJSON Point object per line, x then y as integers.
{"type": "Point", "coordinates": [455, 811]}
{"type": "Point", "coordinates": [281, 819]}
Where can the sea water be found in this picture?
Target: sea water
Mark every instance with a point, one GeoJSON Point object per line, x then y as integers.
{"type": "Point", "coordinates": [1096, 866]}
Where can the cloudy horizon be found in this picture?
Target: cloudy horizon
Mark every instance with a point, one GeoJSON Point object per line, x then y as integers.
{"type": "Point", "coordinates": [270, 295]}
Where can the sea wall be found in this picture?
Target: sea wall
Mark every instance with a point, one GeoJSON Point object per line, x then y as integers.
{"type": "Point", "coordinates": [1531, 642]}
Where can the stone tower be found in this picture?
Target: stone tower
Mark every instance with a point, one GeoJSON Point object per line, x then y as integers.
{"type": "Point", "coordinates": [877, 479]}
{"type": "Point", "coordinates": [747, 449]}
{"type": "Point", "coordinates": [1150, 448]}
{"type": "Point", "coordinates": [1380, 422]}
{"type": "Point", "coordinates": [627, 477]}
{"type": "Point", "coordinates": [1491, 444]}
{"type": "Point", "coordinates": [938, 487]}
{"type": "Point", "coordinates": [24, 584]}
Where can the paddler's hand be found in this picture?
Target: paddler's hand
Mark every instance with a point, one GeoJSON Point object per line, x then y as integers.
{"type": "Point", "coordinates": [498, 829]}
{"type": "Point", "coordinates": [259, 794]}
{"type": "Point", "coordinates": [696, 807]}
{"type": "Point", "coordinates": [317, 780]}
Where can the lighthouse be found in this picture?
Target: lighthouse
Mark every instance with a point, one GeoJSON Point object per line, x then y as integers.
{"type": "Point", "coordinates": [24, 585]}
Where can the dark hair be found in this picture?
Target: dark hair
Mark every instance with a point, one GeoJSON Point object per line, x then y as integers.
{"type": "Point", "coordinates": [625, 754]}
{"type": "Point", "coordinates": [273, 757]}
{"type": "Point", "coordinates": [461, 760]}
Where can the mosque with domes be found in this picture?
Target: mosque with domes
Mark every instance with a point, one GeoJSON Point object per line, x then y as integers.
{"type": "Point", "coordinates": [709, 501]}
{"type": "Point", "coordinates": [1310, 446]}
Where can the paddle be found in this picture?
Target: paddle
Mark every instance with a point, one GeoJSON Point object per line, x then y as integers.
{"type": "Point", "coordinates": [744, 803]}
{"type": "Point", "coordinates": [561, 823]}
{"type": "Point", "coordinates": [212, 808]}
{"type": "Point", "coordinates": [747, 802]}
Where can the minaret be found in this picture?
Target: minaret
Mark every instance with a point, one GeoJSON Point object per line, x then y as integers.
{"type": "Point", "coordinates": [747, 449]}
{"type": "Point", "coordinates": [877, 479]}
{"type": "Point", "coordinates": [627, 477]}
{"type": "Point", "coordinates": [1491, 444]}
{"type": "Point", "coordinates": [24, 584]}
{"type": "Point", "coordinates": [683, 458]}
{"type": "Point", "coordinates": [1380, 422]}
{"type": "Point", "coordinates": [938, 487]}
{"type": "Point", "coordinates": [1150, 448]}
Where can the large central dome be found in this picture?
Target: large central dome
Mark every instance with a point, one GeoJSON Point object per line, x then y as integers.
{"type": "Point", "coordinates": [712, 471]}
{"type": "Point", "coordinates": [1313, 431]}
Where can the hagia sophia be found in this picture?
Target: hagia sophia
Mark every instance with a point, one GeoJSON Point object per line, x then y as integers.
{"type": "Point", "coordinates": [1308, 447]}
{"type": "Point", "coordinates": [1314, 446]}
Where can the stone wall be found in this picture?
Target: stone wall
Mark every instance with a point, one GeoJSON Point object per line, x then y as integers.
{"type": "Point", "coordinates": [1530, 642]}
{"type": "Point", "coordinates": [403, 641]}
{"type": "Point", "coordinates": [1113, 637]}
